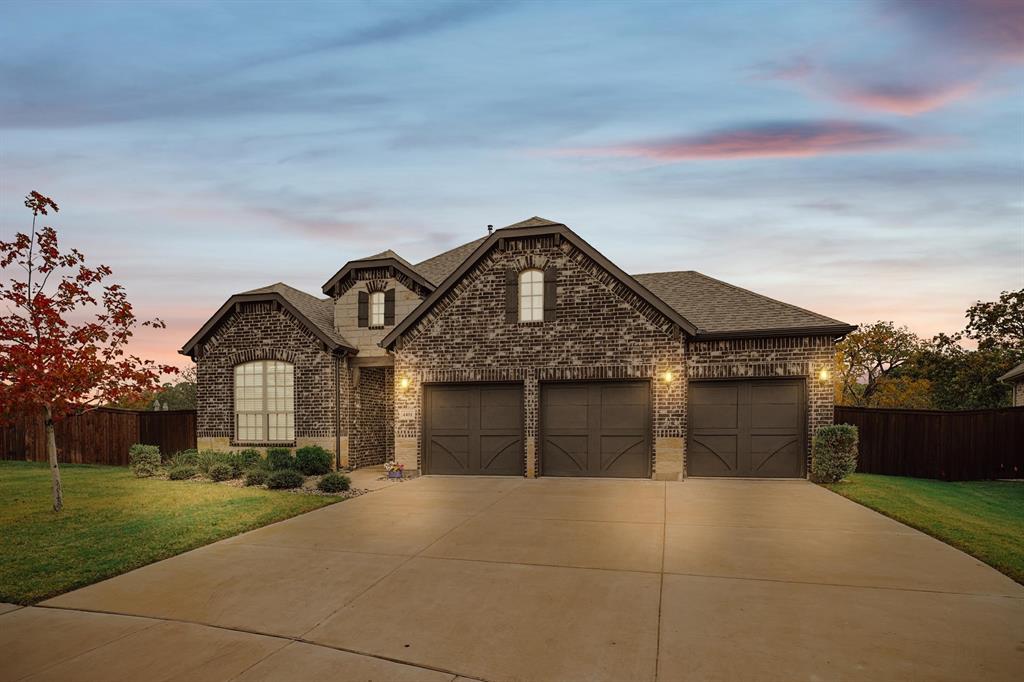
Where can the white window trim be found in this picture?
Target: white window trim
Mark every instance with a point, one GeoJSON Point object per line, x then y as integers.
{"type": "Point", "coordinates": [265, 414]}
{"type": "Point", "coordinates": [376, 311]}
{"type": "Point", "coordinates": [531, 295]}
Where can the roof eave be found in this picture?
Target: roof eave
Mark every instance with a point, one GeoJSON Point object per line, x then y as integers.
{"type": "Point", "coordinates": [1014, 374]}
{"type": "Point", "coordinates": [821, 330]}
{"type": "Point", "coordinates": [190, 345]}
{"type": "Point", "coordinates": [375, 263]}
{"type": "Point", "coordinates": [517, 233]}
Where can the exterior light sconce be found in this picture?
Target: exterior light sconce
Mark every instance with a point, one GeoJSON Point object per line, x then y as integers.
{"type": "Point", "coordinates": [667, 376]}
{"type": "Point", "coordinates": [403, 383]}
{"type": "Point", "coordinates": [824, 374]}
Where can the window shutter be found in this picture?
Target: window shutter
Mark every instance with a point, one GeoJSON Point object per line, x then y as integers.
{"type": "Point", "coordinates": [364, 309]}
{"type": "Point", "coordinates": [511, 296]}
{"type": "Point", "coordinates": [550, 292]}
{"type": "Point", "coordinates": [389, 307]}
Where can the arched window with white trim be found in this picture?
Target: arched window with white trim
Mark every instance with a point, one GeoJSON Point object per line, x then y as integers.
{"type": "Point", "coordinates": [531, 295]}
{"type": "Point", "coordinates": [265, 402]}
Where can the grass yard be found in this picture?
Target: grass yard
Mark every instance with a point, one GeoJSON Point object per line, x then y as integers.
{"type": "Point", "coordinates": [113, 522]}
{"type": "Point", "coordinates": [983, 518]}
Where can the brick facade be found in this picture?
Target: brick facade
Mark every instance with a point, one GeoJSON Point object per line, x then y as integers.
{"type": "Point", "coordinates": [602, 331]}
{"type": "Point", "coordinates": [1018, 394]}
{"type": "Point", "coordinates": [372, 426]}
{"type": "Point", "coordinates": [264, 331]}
{"type": "Point", "coordinates": [798, 357]}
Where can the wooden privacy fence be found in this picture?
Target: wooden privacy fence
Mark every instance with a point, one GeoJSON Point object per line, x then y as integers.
{"type": "Point", "coordinates": [100, 436]}
{"type": "Point", "coordinates": [952, 446]}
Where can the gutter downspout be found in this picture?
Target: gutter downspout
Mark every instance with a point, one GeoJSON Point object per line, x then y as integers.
{"type": "Point", "coordinates": [337, 411]}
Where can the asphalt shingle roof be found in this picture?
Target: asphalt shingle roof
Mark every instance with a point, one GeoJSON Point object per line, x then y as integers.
{"type": "Point", "coordinates": [319, 311]}
{"type": "Point", "coordinates": [713, 306]}
{"type": "Point", "coordinates": [438, 268]}
{"type": "Point", "coordinates": [719, 307]}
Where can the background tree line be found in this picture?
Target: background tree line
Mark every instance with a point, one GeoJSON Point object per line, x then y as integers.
{"type": "Point", "coordinates": [882, 365]}
{"type": "Point", "coordinates": [171, 395]}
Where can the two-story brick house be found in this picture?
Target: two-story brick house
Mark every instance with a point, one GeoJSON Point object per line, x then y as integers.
{"type": "Point", "coordinates": [526, 352]}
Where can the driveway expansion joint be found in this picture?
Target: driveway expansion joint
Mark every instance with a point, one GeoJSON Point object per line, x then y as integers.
{"type": "Point", "coordinates": [284, 638]}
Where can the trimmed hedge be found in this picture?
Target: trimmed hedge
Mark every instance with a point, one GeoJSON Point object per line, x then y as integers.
{"type": "Point", "coordinates": [284, 479]}
{"type": "Point", "coordinates": [834, 455]}
{"type": "Point", "coordinates": [312, 460]}
{"type": "Point", "coordinates": [335, 483]}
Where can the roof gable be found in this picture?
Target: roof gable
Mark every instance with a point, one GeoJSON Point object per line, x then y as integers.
{"type": "Point", "coordinates": [385, 259]}
{"type": "Point", "coordinates": [316, 314]}
{"type": "Point", "coordinates": [531, 228]}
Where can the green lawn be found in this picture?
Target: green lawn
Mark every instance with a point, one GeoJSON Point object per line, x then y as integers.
{"type": "Point", "coordinates": [113, 522]}
{"type": "Point", "coordinates": [983, 518]}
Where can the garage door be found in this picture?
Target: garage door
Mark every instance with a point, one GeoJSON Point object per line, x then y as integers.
{"type": "Point", "coordinates": [746, 428]}
{"type": "Point", "coordinates": [473, 429]}
{"type": "Point", "coordinates": [596, 429]}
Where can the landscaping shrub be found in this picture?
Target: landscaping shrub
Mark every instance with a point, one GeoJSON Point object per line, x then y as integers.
{"type": "Point", "coordinates": [280, 458]}
{"type": "Point", "coordinates": [222, 471]}
{"type": "Point", "coordinates": [834, 455]}
{"type": "Point", "coordinates": [207, 458]}
{"type": "Point", "coordinates": [185, 458]}
{"type": "Point", "coordinates": [256, 476]}
{"type": "Point", "coordinates": [243, 460]}
{"type": "Point", "coordinates": [312, 460]}
{"type": "Point", "coordinates": [285, 478]}
{"type": "Point", "coordinates": [144, 460]}
{"type": "Point", "coordinates": [181, 473]}
{"type": "Point", "coordinates": [335, 483]}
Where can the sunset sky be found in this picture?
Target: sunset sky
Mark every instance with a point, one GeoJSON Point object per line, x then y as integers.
{"type": "Point", "coordinates": [861, 159]}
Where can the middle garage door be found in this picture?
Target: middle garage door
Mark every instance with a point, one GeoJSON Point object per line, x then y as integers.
{"type": "Point", "coordinates": [596, 429]}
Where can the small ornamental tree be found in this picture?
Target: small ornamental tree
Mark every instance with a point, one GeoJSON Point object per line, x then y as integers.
{"type": "Point", "coordinates": [63, 334]}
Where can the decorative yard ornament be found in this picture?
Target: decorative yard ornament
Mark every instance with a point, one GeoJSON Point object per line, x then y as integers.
{"type": "Point", "coordinates": [64, 334]}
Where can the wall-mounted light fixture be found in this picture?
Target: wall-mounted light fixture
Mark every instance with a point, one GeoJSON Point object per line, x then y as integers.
{"type": "Point", "coordinates": [403, 383]}
{"type": "Point", "coordinates": [667, 376]}
{"type": "Point", "coordinates": [824, 374]}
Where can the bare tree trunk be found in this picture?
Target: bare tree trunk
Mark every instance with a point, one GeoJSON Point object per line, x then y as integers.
{"type": "Point", "coordinates": [51, 452]}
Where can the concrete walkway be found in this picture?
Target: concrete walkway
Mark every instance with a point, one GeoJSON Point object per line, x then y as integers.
{"type": "Point", "coordinates": [551, 579]}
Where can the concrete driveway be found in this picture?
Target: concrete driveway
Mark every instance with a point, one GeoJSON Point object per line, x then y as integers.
{"type": "Point", "coordinates": [551, 579]}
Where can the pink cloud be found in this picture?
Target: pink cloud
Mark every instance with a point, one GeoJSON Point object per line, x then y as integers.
{"type": "Point", "coordinates": [764, 140]}
{"type": "Point", "coordinates": [902, 99]}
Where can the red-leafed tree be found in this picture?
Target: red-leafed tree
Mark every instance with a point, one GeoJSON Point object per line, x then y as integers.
{"type": "Point", "coordinates": [63, 333]}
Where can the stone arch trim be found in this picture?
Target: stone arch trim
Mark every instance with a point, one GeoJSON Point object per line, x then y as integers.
{"type": "Point", "coordinates": [244, 355]}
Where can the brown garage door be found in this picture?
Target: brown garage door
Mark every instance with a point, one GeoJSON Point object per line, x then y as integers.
{"type": "Point", "coordinates": [596, 429]}
{"type": "Point", "coordinates": [473, 429]}
{"type": "Point", "coordinates": [746, 428]}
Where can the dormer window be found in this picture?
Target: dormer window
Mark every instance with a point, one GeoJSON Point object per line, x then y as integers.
{"type": "Point", "coordinates": [531, 295]}
{"type": "Point", "coordinates": [377, 309]}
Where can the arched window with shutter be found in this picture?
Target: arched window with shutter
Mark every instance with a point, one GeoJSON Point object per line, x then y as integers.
{"type": "Point", "coordinates": [531, 295]}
